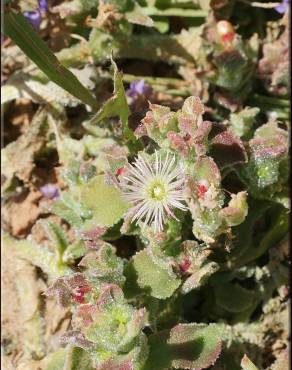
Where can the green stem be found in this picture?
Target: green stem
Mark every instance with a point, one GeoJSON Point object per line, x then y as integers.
{"type": "Point", "coordinates": [163, 81]}
{"type": "Point", "coordinates": [175, 12]}
{"type": "Point", "coordinates": [270, 100]}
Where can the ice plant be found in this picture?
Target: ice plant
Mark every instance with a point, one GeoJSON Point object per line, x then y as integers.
{"type": "Point", "coordinates": [154, 187]}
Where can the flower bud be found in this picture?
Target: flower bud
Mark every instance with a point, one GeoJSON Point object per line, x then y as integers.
{"type": "Point", "coordinates": [225, 31]}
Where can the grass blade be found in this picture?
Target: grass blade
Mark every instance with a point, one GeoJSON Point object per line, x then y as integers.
{"type": "Point", "coordinates": [22, 33]}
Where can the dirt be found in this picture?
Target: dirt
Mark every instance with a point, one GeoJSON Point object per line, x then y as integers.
{"type": "Point", "coordinates": [31, 325]}
{"type": "Point", "coordinates": [18, 216]}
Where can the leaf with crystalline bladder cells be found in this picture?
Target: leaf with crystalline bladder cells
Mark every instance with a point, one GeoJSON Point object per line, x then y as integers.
{"type": "Point", "coordinates": [104, 201]}
{"type": "Point", "coordinates": [161, 280]}
{"type": "Point", "coordinates": [72, 358]}
{"type": "Point", "coordinates": [186, 346]}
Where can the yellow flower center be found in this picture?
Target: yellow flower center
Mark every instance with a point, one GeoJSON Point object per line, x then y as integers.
{"type": "Point", "coordinates": [157, 191]}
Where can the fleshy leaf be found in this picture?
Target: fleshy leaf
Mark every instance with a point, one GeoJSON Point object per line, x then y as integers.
{"type": "Point", "coordinates": [242, 122]}
{"type": "Point", "coordinates": [268, 147]}
{"type": "Point", "coordinates": [199, 277]}
{"type": "Point", "coordinates": [194, 264]}
{"type": "Point", "coordinates": [78, 359]}
{"type": "Point", "coordinates": [159, 279]}
{"type": "Point", "coordinates": [55, 360]}
{"type": "Point", "coordinates": [186, 346]}
{"type": "Point", "coordinates": [205, 169]}
{"type": "Point", "coordinates": [103, 266]}
{"type": "Point", "coordinates": [104, 201]}
{"type": "Point", "coordinates": [60, 209]}
{"type": "Point", "coordinates": [226, 148]}
{"type": "Point", "coordinates": [237, 209]}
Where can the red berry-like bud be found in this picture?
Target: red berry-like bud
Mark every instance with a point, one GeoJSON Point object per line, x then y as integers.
{"type": "Point", "coordinates": [202, 189]}
{"type": "Point", "coordinates": [79, 294]}
{"type": "Point", "coordinates": [120, 171]}
{"type": "Point", "coordinates": [185, 265]}
{"type": "Point", "coordinates": [225, 31]}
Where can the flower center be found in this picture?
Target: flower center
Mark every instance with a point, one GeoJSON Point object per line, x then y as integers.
{"type": "Point", "coordinates": [157, 191]}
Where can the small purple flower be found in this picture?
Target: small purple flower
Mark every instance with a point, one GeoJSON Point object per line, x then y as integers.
{"type": "Point", "coordinates": [138, 88]}
{"type": "Point", "coordinates": [50, 191]}
{"type": "Point", "coordinates": [43, 5]}
{"type": "Point", "coordinates": [34, 17]}
{"type": "Point", "coordinates": [283, 7]}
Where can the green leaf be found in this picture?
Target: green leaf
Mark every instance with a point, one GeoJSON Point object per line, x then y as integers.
{"type": "Point", "coordinates": [104, 201]}
{"type": "Point", "coordinates": [22, 33]}
{"type": "Point", "coordinates": [77, 359]}
{"type": "Point", "coordinates": [233, 298]}
{"type": "Point", "coordinates": [57, 236]}
{"type": "Point", "coordinates": [116, 106]}
{"type": "Point", "coordinates": [74, 251]}
{"type": "Point", "coordinates": [60, 209]}
{"type": "Point", "coordinates": [158, 278]}
{"type": "Point", "coordinates": [199, 277]}
{"type": "Point", "coordinates": [55, 360]}
{"type": "Point", "coordinates": [186, 346]}
{"type": "Point", "coordinates": [70, 358]}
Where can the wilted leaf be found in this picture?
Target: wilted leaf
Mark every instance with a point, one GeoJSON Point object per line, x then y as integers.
{"type": "Point", "coordinates": [38, 255]}
{"type": "Point", "coordinates": [22, 33]}
{"type": "Point", "coordinates": [246, 364]}
{"type": "Point", "coordinates": [27, 86]}
{"type": "Point", "coordinates": [18, 157]}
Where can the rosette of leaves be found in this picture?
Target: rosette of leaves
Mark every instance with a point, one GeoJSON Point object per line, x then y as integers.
{"type": "Point", "coordinates": [110, 330]}
{"type": "Point", "coordinates": [197, 142]}
{"type": "Point", "coordinates": [188, 135]}
{"type": "Point", "coordinates": [185, 346]}
{"type": "Point", "coordinates": [228, 62]}
{"type": "Point", "coordinates": [266, 174]}
{"type": "Point", "coordinates": [167, 266]}
{"type": "Point", "coordinates": [194, 265]}
{"type": "Point", "coordinates": [243, 122]}
{"type": "Point", "coordinates": [273, 67]}
{"type": "Point", "coordinates": [103, 266]}
{"type": "Point", "coordinates": [91, 205]}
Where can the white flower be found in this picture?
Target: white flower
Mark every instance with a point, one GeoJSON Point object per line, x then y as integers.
{"type": "Point", "coordinates": [154, 187]}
